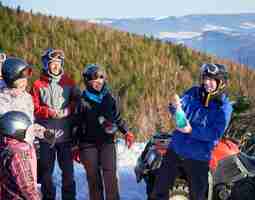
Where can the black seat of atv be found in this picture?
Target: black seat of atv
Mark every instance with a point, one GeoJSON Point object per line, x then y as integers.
{"type": "Point", "coordinates": [248, 161]}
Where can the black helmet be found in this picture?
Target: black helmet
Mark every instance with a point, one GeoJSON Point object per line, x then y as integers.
{"type": "Point", "coordinates": [13, 69]}
{"type": "Point", "coordinates": [92, 72]}
{"type": "Point", "coordinates": [215, 71]}
{"type": "Point", "coordinates": [220, 74]}
{"type": "Point", "coordinates": [14, 124]}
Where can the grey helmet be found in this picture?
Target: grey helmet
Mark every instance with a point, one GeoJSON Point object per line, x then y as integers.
{"type": "Point", "coordinates": [14, 124]}
{"type": "Point", "coordinates": [15, 68]}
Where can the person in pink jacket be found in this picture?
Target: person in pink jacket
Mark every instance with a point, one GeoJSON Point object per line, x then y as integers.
{"type": "Point", "coordinates": [18, 179]}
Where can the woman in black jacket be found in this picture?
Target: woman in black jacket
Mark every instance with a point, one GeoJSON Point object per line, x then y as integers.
{"type": "Point", "coordinates": [99, 119]}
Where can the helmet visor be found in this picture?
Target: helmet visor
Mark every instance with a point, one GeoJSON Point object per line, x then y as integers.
{"type": "Point", "coordinates": [20, 134]}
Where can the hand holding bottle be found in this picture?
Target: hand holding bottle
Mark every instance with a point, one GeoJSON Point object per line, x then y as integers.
{"type": "Point", "coordinates": [182, 124]}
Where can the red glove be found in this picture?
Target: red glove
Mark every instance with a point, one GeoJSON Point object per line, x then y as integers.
{"type": "Point", "coordinates": [129, 139]}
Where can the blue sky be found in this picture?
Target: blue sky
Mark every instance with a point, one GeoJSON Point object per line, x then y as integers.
{"type": "Point", "coordinates": [87, 9]}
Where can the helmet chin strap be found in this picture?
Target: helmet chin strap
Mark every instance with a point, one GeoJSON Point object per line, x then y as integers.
{"type": "Point", "coordinates": [208, 96]}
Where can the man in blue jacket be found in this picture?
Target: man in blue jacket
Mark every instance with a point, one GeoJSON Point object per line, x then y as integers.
{"type": "Point", "coordinates": [208, 112]}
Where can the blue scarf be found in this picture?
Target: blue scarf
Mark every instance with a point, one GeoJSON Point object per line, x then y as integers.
{"type": "Point", "coordinates": [95, 97]}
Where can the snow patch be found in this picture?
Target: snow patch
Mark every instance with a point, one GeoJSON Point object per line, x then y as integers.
{"type": "Point", "coordinates": [248, 25]}
{"type": "Point", "coordinates": [160, 18]}
{"type": "Point", "coordinates": [96, 21]}
{"type": "Point", "coordinates": [210, 27]}
{"type": "Point", "coordinates": [178, 35]}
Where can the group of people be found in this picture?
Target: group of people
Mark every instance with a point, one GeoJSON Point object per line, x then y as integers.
{"type": "Point", "coordinates": [55, 108]}
{"type": "Point", "coordinates": [57, 114]}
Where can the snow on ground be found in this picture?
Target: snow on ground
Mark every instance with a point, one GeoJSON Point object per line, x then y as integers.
{"type": "Point", "coordinates": [129, 189]}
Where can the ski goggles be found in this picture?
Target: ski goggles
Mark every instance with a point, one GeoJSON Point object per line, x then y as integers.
{"type": "Point", "coordinates": [210, 69]}
{"type": "Point", "coordinates": [56, 54]}
{"type": "Point", "coordinates": [2, 57]}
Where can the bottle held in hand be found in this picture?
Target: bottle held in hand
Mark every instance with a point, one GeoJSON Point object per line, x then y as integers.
{"type": "Point", "coordinates": [180, 116]}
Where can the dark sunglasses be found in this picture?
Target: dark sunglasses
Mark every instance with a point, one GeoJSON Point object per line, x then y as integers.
{"type": "Point", "coordinates": [97, 75]}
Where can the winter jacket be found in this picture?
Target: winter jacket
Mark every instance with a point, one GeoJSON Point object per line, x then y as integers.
{"type": "Point", "coordinates": [58, 94]}
{"type": "Point", "coordinates": [90, 109]}
{"type": "Point", "coordinates": [18, 171]}
{"type": "Point", "coordinates": [208, 125]}
{"type": "Point", "coordinates": [11, 102]}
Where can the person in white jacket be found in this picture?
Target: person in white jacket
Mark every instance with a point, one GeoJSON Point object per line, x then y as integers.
{"type": "Point", "coordinates": [14, 97]}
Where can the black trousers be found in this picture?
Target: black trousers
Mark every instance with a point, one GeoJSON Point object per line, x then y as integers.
{"type": "Point", "coordinates": [149, 180]}
{"type": "Point", "coordinates": [196, 172]}
{"type": "Point", "coordinates": [101, 168]}
{"type": "Point", "coordinates": [46, 164]}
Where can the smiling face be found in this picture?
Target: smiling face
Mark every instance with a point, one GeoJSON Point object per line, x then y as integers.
{"type": "Point", "coordinates": [210, 84]}
{"type": "Point", "coordinates": [97, 84]}
{"type": "Point", "coordinates": [21, 84]}
{"type": "Point", "coordinates": [55, 67]}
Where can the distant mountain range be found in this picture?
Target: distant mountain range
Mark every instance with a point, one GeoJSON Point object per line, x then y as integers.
{"type": "Point", "coordinates": [226, 36]}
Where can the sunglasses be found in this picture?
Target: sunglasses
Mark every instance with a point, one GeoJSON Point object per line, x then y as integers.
{"type": "Point", "coordinates": [2, 57]}
{"type": "Point", "coordinates": [98, 75]}
{"type": "Point", "coordinates": [210, 69]}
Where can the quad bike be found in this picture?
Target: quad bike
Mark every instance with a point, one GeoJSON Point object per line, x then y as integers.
{"type": "Point", "coordinates": [232, 167]}
{"type": "Point", "coordinates": [231, 175]}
